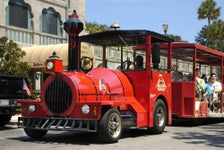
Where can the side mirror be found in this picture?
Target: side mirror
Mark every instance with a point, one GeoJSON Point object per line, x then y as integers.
{"type": "Point", "coordinates": [156, 56]}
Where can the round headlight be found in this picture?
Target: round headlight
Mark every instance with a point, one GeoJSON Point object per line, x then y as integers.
{"type": "Point", "coordinates": [50, 65]}
{"type": "Point", "coordinates": [85, 109]}
{"type": "Point", "coordinates": [32, 108]}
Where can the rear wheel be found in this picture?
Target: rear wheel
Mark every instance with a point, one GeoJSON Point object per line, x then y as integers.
{"type": "Point", "coordinates": [160, 117]}
{"type": "Point", "coordinates": [110, 126]}
{"type": "Point", "coordinates": [34, 133]}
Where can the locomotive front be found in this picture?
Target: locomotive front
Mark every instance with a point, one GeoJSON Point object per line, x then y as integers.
{"type": "Point", "coordinates": [75, 101]}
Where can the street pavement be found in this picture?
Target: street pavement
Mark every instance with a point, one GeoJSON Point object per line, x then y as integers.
{"type": "Point", "coordinates": [209, 135]}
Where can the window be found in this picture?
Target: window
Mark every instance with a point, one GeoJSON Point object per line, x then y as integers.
{"type": "Point", "coordinates": [50, 21]}
{"type": "Point", "coordinates": [19, 14]}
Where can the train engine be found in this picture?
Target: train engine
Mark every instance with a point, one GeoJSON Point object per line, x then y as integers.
{"type": "Point", "coordinates": [104, 100]}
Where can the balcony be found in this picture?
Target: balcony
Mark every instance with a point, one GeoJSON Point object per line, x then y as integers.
{"type": "Point", "coordinates": [28, 37]}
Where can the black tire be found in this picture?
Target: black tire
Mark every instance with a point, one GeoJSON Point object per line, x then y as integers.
{"type": "Point", "coordinates": [109, 128]}
{"type": "Point", "coordinates": [35, 134]}
{"type": "Point", "coordinates": [160, 117]}
{"type": "Point", "coordinates": [5, 119]}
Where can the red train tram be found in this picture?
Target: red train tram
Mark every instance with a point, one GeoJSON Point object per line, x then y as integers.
{"type": "Point", "coordinates": [104, 100]}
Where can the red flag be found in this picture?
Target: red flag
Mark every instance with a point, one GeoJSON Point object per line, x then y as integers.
{"type": "Point", "coordinates": [25, 87]}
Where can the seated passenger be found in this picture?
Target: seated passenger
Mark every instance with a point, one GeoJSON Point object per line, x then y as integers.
{"type": "Point", "coordinates": [215, 86]}
{"type": "Point", "coordinates": [207, 91]}
{"type": "Point", "coordinates": [180, 77]}
{"type": "Point", "coordinates": [177, 76]}
{"type": "Point", "coordinates": [138, 62]}
{"type": "Point", "coordinates": [190, 77]}
{"type": "Point", "coordinates": [200, 85]}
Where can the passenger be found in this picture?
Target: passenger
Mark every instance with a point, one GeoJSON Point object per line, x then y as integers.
{"type": "Point", "coordinates": [216, 88]}
{"type": "Point", "coordinates": [177, 76]}
{"type": "Point", "coordinates": [207, 91]}
{"type": "Point", "coordinates": [190, 77]}
{"type": "Point", "coordinates": [200, 85]}
{"type": "Point", "coordinates": [180, 77]}
{"type": "Point", "coordinates": [173, 76]}
{"type": "Point", "coordinates": [139, 62]}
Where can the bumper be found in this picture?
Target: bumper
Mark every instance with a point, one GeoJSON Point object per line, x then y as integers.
{"type": "Point", "coordinates": [63, 124]}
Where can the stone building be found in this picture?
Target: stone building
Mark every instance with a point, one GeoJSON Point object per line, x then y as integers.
{"type": "Point", "coordinates": [37, 22]}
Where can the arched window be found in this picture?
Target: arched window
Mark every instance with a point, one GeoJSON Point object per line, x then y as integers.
{"type": "Point", "coordinates": [50, 21]}
{"type": "Point", "coordinates": [19, 14]}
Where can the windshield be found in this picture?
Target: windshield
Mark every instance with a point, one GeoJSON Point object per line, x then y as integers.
{"type": "Point", "coordinates": [123, 56]}
{"type": "Point", "coordinates": [122, 49]}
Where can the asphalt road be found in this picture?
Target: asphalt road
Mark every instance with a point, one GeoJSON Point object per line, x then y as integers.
{"type": "Point", "coordinates": [182, 136]}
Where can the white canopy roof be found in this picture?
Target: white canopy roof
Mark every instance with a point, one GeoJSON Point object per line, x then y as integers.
{"type": "Point", "coordinates": [37, 55]}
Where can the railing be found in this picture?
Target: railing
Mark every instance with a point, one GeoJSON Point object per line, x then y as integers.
{"type": "Point", "coordinates": [30, 37]}
{"type": "Point", "coordinates": [19, 35]}
{"type": "Point", "coordinates": [45, 39]}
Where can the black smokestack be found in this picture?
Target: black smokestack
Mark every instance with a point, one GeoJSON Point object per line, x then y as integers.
{"type": "Point", "coordinates": [73, 26]}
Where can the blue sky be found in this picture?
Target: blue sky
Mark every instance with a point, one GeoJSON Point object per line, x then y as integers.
{"type": "Point", "coordinates": [181, 15]}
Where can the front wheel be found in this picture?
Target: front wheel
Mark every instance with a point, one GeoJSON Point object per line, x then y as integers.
{"type": "Point", "coordinates": [110, 126]}
{"type": "Point", "coordinates": [160, 117]}
{"type": "Point", "coordinates": [34, 133]}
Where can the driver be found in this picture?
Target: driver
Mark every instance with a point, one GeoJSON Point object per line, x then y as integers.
{"type": "Point", "coordinates": [138, 62]}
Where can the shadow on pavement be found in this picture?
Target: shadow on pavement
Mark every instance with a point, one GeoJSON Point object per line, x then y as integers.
{"type": "Point", "coordinates": [195, 122]}
{"type": "Point", "coordinates": [81, 138]}
{"type": "Point", "coordinates": [210, 132]}
{"type": "Point", "coordinates": [8, 127]}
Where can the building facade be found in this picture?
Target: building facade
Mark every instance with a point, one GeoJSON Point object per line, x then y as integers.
{"type": "Point", "coordinates": [37, 22]}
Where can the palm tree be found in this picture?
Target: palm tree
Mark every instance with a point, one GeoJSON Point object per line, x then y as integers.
{"type": "Point", "coordinates": [208, 10]}
{"type": "Point", "coordinates": [216, 34]}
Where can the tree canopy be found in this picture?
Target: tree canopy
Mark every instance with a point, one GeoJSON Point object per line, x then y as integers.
{"type": "Point", "coordinates": [208, 10]}
{"type": "Point", "coordinates": [95, 27]}
{"type": "Point", "coordinates": [176, 38]}
{"type": "Point", "coordinates": [10, 54]}
{"type": "Point", "coordinates": [212, 34]}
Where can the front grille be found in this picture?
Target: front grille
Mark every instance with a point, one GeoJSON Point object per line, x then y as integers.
{"type": "Point", "coordinates": [58, 96]}
{"type": "Point", "coordinates": [58, 124]}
